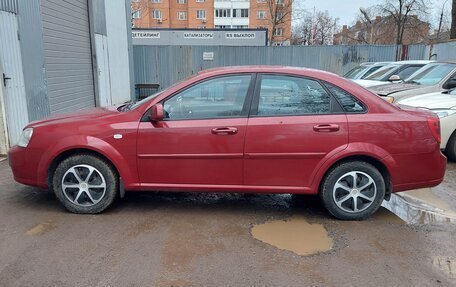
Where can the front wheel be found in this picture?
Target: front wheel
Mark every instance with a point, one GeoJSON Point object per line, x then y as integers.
{"type": "Point", "coordinates": [85, 184]}
{"type": "Point", "coordinates": [353, 190]}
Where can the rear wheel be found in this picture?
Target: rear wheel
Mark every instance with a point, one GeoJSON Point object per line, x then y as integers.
{"type": "Point", "coordinates": [85, 184]}
{"type": "Point", "coordinates": [450, 149]}
{"type": "Point", "coordinates": [353, 190]}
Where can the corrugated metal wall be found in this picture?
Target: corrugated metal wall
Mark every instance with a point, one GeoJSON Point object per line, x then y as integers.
{"type": "Point", "coordinates": [166, 65]}
{"type": "Point", "coordinates": [9, 6]}
{"type": "Point", "coordinates": [67, 53]}
{"type": "Point", "coordinates": [11, 61]}
{"type": "Point", "coordinates": [443, 51]}
{"type": "Point", "coordinates": [30, 32]}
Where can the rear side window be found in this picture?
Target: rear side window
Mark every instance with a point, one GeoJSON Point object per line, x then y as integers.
{"type": "Point", "coordinates": [287, 95]}
{"type": "Point", "coordinates": [349, 103]}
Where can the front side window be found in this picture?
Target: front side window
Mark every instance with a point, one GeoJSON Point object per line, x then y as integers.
{"type": "Point", "coordinates": [407, 72]}
{"type": "Point", "coordinates": [222, 97]}
{"type": "Point", "coordinates": [286, 95]}
{"type": "Point", "coordinates": [381, 73]}
{"type": "Point", "coordinates": [349, 103]}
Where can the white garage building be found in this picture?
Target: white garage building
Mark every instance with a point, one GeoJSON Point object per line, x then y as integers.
{"type": "Point", "coordinates": [59, 56]}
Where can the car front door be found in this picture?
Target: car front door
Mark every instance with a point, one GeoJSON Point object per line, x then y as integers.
{"type": "Point", "coordinates": [294, 124]}
{"type": "Point", "coordinates": [201, 139]}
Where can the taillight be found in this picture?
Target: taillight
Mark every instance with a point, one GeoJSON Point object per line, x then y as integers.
{"type": "Point", "coordinates": [434, 126]}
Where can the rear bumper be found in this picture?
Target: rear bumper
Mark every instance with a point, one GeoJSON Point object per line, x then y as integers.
{"type": "Point", "coordinates": [412, 171]}
{"type": "Point", "coordinates": [24, 164]}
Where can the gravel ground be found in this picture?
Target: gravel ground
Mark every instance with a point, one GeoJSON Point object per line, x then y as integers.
{"type": "Point", "coordinates": [196, 239]}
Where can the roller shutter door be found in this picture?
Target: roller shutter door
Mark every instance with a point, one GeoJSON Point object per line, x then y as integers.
{"type": "Point", "coordinates": [67, 55]}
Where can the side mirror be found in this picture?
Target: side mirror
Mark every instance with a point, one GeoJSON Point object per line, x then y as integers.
{"type": "Point", "coordinates": [156, 113]}
{"type": "Point", "coordinates": [394, 78]}
{"type": "Point", "coordinates": [450, 84]}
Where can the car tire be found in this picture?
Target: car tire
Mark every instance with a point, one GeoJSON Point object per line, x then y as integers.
{"type": "Point", "coordinates": [85, 184]}
{"type": "Point", "coordinates": [450, 149]}
{"type": "Point", "coordinates": [348, 201]}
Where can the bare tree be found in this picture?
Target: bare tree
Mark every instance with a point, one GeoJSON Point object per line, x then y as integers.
{"type": "Point", "coordinates": [453, 21]}
{"type": "Point", "coordinates": [141, 8]}
{"type": "Point", "coordinates": [280, 14]}
{"type": "Point", "coordinates": [303, 31]}
{"type": "Point", "coordinates": [325, 28]}
{"type": "Point", "coordinates": [400, 12]}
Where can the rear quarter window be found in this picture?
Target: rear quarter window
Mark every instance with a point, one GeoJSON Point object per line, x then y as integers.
{"type": "Point", "coordinates": [349, 103]}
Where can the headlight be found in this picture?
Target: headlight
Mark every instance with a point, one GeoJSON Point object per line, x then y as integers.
{"type": "Point", "coordinates": [25, 137]}
{"type": "Point", "coordinates": [444, 113]}
{"type": "Point", "coordinates": [389, 99]}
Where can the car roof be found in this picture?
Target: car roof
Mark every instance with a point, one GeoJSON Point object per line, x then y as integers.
{"type": "Point", "coordinates": [265, 69]}
{"type": "Point", "coordinates": [415, 62]}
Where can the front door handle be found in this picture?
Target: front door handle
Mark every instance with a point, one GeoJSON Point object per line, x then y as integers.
{"type": "Point", "coordinates": [224, 131]}
{"type": "Point", "coordinates": [326, 128]}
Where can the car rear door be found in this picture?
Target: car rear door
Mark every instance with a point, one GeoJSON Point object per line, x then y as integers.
{"type": "Point", "coordinates": [201, 139]}
{"type": "Point", "coordinates": [294, 123]}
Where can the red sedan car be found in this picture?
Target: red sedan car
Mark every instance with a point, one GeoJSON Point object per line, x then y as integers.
{"type": "Point", "coordinates": [240, 129]}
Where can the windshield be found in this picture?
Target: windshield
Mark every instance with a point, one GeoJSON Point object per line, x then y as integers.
{"type": "Point", "coordinates": [377, 76]}
{"type": "Point", "coordinates": [139, 103]}
{"type": "Point", "coordinates": [353, 73]}
{"type": "Point", "coordinates": [431, 74]}
{"type": "Point", "coordinates": [134, 105]}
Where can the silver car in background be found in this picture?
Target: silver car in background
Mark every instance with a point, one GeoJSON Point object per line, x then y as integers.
{"type": "Point", "coordinates": [434, 77]}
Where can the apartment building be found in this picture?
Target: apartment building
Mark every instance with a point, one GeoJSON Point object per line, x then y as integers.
{"type": "Point", "coordinates": [216, 14]}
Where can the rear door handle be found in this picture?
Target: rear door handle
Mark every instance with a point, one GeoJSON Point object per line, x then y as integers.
{"type": "Point", "coordinates": [224, 131]}
{"type": "Point", "coordinates": [326, 128]}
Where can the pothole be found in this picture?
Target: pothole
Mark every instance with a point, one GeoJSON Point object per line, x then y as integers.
{"type": "Point", "coordinates": [294, 234]}
{"type": "Point", "coordinates": [420, 206]}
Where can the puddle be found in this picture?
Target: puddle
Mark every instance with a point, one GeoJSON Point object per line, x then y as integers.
{"type": "Point", "coordinates": [40, 228]}
{"type": "Point", "coordinates": [420, 206]}
{"type": "Point", "coordinates": [445, 264]}
{"type": "Point", "coordinates": [294, 234]}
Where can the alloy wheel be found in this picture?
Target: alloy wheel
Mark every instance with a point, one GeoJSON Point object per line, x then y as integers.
{"type": "Point", "coordinates": [354, 191]}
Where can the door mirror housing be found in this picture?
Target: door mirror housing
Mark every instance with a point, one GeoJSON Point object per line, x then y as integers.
{"type": "Point", "coordinates": [156, 113]}
{"type": "Point", "coordinates": [450, 84]}
{"type": "Point", "coordinates": [394, 78]}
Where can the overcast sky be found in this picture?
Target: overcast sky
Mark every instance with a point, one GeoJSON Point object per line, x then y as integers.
{"type": "Point", "coordinates": [346, 10]}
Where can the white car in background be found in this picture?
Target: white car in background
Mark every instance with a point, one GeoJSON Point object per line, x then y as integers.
{"type": "Point", "coordinates": [444, 105]}
{"type": "Point", "coordinates": [393, 72]}
{"type": "Point", "coordinates": [364, 70]}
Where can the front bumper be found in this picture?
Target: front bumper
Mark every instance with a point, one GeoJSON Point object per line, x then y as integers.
{"type": "Point", "coordinates": [24, 163]}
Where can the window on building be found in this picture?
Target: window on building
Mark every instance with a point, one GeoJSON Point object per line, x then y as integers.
{"type": "Point", "coordinates": [157, 14]}
{"type": "Point", "coordinates": [279, 15]}
{"type": "Point", "coordinates": [136, 14]}
{"type": "Point", "coordinates": [222, 26]}
{"type": "Point", "coordinates": [200, 1]}
{"type": "Point", "coordinates": [181, 1]}
{"type": "Point", "coordinates": [222, 13]}
{"type": "Point", "coordinates": [241, 13]}
{"type": "Point", "coordinates": [261, 14]}
{"type": "Point", "coordinates": [201, 27]}
{"type": "Point", "coordinates": [182, 15]}
{"type": "Point", "coordinates": [280, 2]}
{"type": "Point", "coordinates": [200, 14]}
{"type": "Point", "coordinates": [278, 32]}
{"type": "Point", "coordinates": [155, 1]}
{"type": "Point", "coordinates": [240, 26]}
{"type": "Point", "coordinates": [261, 1]}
